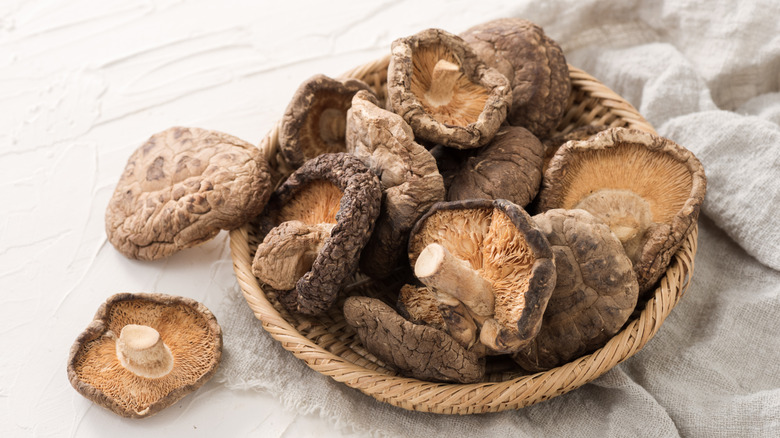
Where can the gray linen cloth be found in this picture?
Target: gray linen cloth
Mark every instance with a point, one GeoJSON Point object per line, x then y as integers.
{"type": "Point", "coordinates": [706, 74]}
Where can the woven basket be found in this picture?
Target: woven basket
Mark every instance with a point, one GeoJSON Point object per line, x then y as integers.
{"type": "Point", "coordinates": [329, 346]}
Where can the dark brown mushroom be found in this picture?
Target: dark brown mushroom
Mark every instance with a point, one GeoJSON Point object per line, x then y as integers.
{"type": "Point", "coordinates": [314, 122]}
{"type": "Point", "coordinates": [595, 291]}
{"type": "Point", "coordinates": [489, 256]}
{"type": "Point", "coordinates": [646, 188]}
{"type": "Point", "coordinates": [535, 66]}
{"type": "Point", "coordinates": [323, 215]}
{"type": "Point", "coordinates": [144, 352]}
{"type": "Point", "coordinates": [419, 351]}
{"type": "Point", "coordinates": [407, 171]}
{"type": "Point", "coordinates": [183, 186]}
{"type": "Point", "coordinates": [438, 85]}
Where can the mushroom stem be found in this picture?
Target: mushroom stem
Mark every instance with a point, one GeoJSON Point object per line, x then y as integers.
{"type": "Point", "coordinates": [443, 78]}
{"type": "Point", "coordinates": [141, 350]}
{"type": "Point", "coordinates": [438, 268]}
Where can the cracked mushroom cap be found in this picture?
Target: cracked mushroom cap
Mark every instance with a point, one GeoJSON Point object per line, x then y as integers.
{"type": "Point", "coordinates": [144, 352]}
{"type": "Point", "coordinates": [322, 217]}
{"type": "Point", "coordinates": [489, 256]}
{"type": "Point", "coordinates": [510, 168]}
{"type": "Point", "coordinates": [646, 188]}
{"type": "Point", "coordinates": [183, 186]}
{"type": "Point", "coordinates": [438, 85]}
{"type": "Point", "coordinates": [419, 351]}
{"type": "Point", "coordinates": [314, 121]}
{"type": "Point", "coordinates": [535, 66]}
{"type": "Point", "coordinates": [407, 172]}
{"type": "Point", "coordinates": [595, 291]}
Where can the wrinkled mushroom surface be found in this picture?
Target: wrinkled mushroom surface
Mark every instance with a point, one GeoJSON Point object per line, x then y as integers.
{"type": "Point", "coordinates": [419, 351]}
{"type": "Point", "coordinates": [438, 85]}
{"type": "Point", "coordinates": [535, 66]}
{"type": "Point", "coordinates": [317, 223]}
{"type": "Point", "coordinates": [314, 122]}
{"type": "Point", "coordinates": [509, 167]}
{"type": "Point", "coordinates": [407, 172]}
{"type": "Point", "coordinates": [595, 291]}
{"type": "Point", "coordinates": [646, 188]}
{"type": "Point", "coordinates": [499, 243]}
{"type": "Point", "coordinates": [183, 186]}
{"type": "Point", "coordinates": [144, 352]}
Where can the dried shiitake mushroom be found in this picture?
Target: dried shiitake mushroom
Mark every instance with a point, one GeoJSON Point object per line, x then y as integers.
{"type": "Point", "coordinates": [535, 66]}
{"type": "Point", "coordinates": [407, 171]}
{"type": "Point", "coordinates": [322, 216]}
{"type": "Point", "coordinates": [552, 144]}
{"type": "Point", "coordinates": [509, 167]}
{"type": "Point", "coordinates": [490, 268]}
{"type": "Point", "coordinates": [438, 85]}
{"type": "Point", "coordinates": [595, 291]}
{"type": "Point", "coordinates": [144, 352]}
{"type": "Point", "coordinates": [419, 305]}
{"type": "Point", "coordinates": [314, 122]}
{"type": "Point", "coordinates": [646, 188]}
{"type": "Point", "coordinates": [420, 351]}
{"type": "Point", "coordinates": [181, 187]}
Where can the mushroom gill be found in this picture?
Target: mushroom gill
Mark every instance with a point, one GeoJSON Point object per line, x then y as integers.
{"type": "Point", "coordinates": [316, 203]}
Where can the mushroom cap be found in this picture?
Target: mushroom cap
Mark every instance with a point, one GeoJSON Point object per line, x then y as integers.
{"type": "Point", "coordinates": [552, 144]}
{"type": "Point", "coordinates": [181, 187]}
{"type": "Point", "coordinates": [314, 121]}
{"type": "Point", "coordinates": [420, 351]}
{"type": "Point", "coordinates": [509, 167]}
{"type": "Point", "coordinates": [499, 240]}
{"type": "Point", "coordinates": [186, 327]}
{"type": "Point", "coordinates": [330, 188]}
{"type": "Point", "coordinates": [535, 66]}
{"type": "Point", "coordinates": [647, 188]}
{"type": "Point", "coordinates": [410, 181]}
{"type": "Point", "coordinates": [595, 291]}
{"type": "Point", "coordinates": [479, 97]}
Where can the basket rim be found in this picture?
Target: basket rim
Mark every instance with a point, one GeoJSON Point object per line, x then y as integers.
{"type": "Point", "coordinates": [454, 398]}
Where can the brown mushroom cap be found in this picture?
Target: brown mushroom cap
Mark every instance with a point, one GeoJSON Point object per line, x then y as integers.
{"type": "Point", "coordinates": [334, 196]}
{"type": "Point", "coordinates": [181, 187]}
{"type": "Point", "coordinates": [595, 291]}
{"type": "Point", "coordinates": [535, 66]}
{"type": "Point", "coordinates": [407, 171]}
{"type": "Point", "coordinates": [420, 351]}
{"type": "Point", "coordinates": [498, 240]}
{"type": "Point", "coordinates": [510, 168]}
{"type": "Point", "coordinates": [446, 94]}
{"type": "Point", "coordinates": [648, 189]}
{"type": "Point", "coordinates": [187, 330]}
{"type": "Point", "coordinates": [315, 119]}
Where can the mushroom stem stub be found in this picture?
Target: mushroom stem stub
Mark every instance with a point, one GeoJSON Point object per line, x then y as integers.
{"type": "Point", "coordinates": [443, 78]}
{"type": "Point", "coordinates": [438, 268]}
{"type": "Point", "coordinates": [141, 350]}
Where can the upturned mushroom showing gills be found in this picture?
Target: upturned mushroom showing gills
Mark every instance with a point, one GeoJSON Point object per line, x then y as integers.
{"type": "Point", "coordinates": [314, 122]}
{"type": "Point", "coordinates": [438, 85]}
{"type": "Point", "coordinates": [535, 66]}
{"type": "Point", "coordinates": [407, 172]}
{"type": "Point", "coordinates": [183, 186]}
{"type": "Point", "coordinates": [144, 352]}
{"type": "Point", "coordinates": [316, 224]}
{"type": "Point", "coordinates": [595, 290]}
{"type": "Point", "coordinates": [646, 188]}
{"type": "Point", "coordinates": [490, 268]}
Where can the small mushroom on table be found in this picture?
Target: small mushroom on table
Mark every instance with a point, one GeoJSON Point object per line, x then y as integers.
{"type": "Point", "coordinates": [183, 186]}
{"type": "Point", "coordinates": [144, 352]}
{"type": "Point", "coordinates": [490, 268]}
{"type": "Point", "coordinates": [535, 66]}
{"type": "Point", "coordinates": [595, 290]}
{"type": "Point", "coordinates": [646, 188]}
{"type": "Point", "coordinates": [438, 85]}
{"type": "Point", "coordinates": [317, 222]}
{"type": "Point", "coordinates": [407, 172]}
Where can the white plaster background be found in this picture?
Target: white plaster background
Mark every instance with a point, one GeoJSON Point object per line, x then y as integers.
{"type": "Point", "coordinates": [85, 82]}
